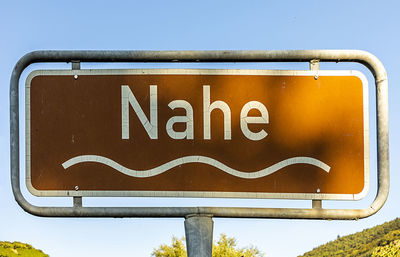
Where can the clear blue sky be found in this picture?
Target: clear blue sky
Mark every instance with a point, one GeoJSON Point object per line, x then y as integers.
{"type": "Point", "coordinates": [188, 25]}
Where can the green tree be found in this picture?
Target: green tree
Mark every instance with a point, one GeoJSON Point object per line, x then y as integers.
{"type": "Point", "coordinates": [177, 249]}
{"type": "Point", "coordinates": [390, 250]}
{"type": "Point", "coordinates": [224, 247]}
{"type": "Point", "coordinates": [17, 249]}
{"type": "Point", "coordinates": [377, 241]}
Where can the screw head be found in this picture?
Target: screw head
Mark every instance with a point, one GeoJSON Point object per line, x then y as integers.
{"type": "Point", "coordinates": [75, 76]}
{"type": "Point", "coordinates": [76, 188]}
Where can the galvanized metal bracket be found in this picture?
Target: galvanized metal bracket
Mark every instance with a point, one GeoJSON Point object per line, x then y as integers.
{"type": "Point", "coordinates": [77, 200]}
{"type": "Point", "coordinates": [314, 65]}
{"type": "Point", "coordinates": [365, 58]}
{"type": "Point", "coordinates": [76, 65]}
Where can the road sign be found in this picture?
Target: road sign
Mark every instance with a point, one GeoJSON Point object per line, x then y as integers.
{"type": "Point", "coordinates": [197, 133]}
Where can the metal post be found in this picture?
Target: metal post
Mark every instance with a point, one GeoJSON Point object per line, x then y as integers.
{"type": "Point", "coordinates": [199, 235]}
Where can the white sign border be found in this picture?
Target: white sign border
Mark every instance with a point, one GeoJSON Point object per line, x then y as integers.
{"type": "Point", "coordinates": [194, 194]}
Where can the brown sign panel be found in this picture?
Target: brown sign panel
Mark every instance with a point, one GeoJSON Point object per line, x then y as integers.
{"type": "Point", "coordinates": [197, 133]}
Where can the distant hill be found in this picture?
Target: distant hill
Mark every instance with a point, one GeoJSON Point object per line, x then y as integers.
{"type": "Point", "coordinates": [379, 241]}
{"type": "Point", "coordinates": [17, 249]}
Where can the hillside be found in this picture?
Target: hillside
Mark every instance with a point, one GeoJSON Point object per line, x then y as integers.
{"type": "Point", "coordinates": [379, 241]}
{"type": "Point", "coordinates": [382, 240]}
{"type": "Point", "coordinates": [17, 249]}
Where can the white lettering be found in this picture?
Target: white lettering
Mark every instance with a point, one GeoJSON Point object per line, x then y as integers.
{"type": "Point", "coordinates": [244, 120]}
{"type": "Point", "coordinates": [188, 133]}
{"type": "Point", "coordinates": [208, 108]}
{"type": "Point", "coordinates": [128, 98]}
{"type": "Point", "coordinates": [151, 127]}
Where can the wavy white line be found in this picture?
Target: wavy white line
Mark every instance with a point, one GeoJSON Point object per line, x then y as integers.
{"type": "Point", "coordinates": [194, 159]}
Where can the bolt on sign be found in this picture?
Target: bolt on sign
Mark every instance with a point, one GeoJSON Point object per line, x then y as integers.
{"type": "Point", "coordinates": [197, 133]}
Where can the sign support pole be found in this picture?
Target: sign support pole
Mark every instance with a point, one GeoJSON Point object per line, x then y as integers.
{"type": "Point", "coordinates": [199, 235]}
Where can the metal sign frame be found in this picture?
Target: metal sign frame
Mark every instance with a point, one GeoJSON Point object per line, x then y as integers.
{"type": "Point", "coordinates": [365, 58]}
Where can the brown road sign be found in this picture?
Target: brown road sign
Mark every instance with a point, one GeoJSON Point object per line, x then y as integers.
{"type": "Point", "coordinates": [197, 133]}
